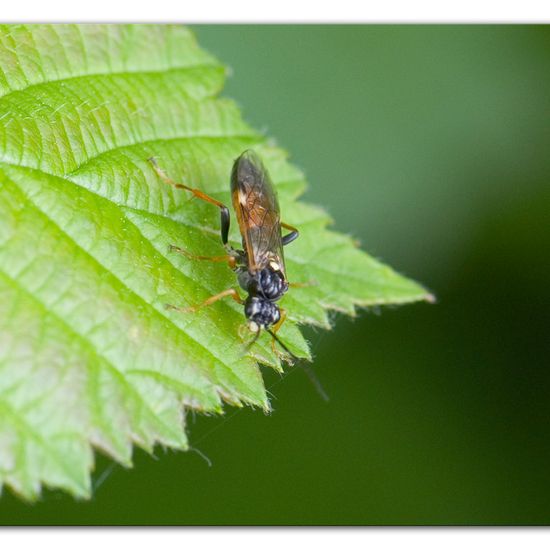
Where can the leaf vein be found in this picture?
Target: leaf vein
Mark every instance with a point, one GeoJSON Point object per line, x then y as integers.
{"type": "Point", "coordinates": [144, 72]}
{"type": "Point", "coordinates": [158, 312]}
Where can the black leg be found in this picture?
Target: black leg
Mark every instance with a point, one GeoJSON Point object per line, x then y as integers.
{"type": "Point", "coordinates": [292, 236]}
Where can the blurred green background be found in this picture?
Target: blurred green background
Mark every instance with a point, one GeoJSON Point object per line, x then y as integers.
{"type": "Point", "coordinates": [431, 145]}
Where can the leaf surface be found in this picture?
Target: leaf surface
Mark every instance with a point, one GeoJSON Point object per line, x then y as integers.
{"type": "Point", "coordinates": [89, 355]}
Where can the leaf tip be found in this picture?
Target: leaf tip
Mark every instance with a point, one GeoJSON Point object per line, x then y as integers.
{"type": "Point", "coordinates": [430, 298]}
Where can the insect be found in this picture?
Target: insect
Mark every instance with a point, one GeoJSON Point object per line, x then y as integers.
{"type": "Point", "coordinates": [260, 265]}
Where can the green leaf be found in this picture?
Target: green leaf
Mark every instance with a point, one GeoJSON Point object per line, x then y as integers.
{"type": "Point", "coordinates": [89, 356]}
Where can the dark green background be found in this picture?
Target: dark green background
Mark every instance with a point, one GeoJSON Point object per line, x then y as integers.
{"type": "Point", "coordinates": [431, 145]}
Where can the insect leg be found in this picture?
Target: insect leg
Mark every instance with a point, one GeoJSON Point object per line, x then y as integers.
{"type": "Point", "coordinates": [225, 218]}
{"type": "Point", "coordinates": [273, 331]}
{"type": "Point", "coordinates": [303, 285]}
{"type": "Point", "coordinates": [279, 323]}
{"type": "Point", "coordinates": [229, 258]}
{"type": "Point", "coordinates": [192, 309]}
{"type": "Point", "coordinates": [292, 236]}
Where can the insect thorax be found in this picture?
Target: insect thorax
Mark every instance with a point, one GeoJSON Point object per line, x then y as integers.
{"type": "Point", "coordinates": [266, 283]}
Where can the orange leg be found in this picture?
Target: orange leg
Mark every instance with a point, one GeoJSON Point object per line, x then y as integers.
{"type": "Point", "coordinates": [303, 285]}
{"type": "Point", "coordinates": [231, 260]}
{"type": "Point", "coordinates": [192, 309]}
{"type": "Point", "coordinates": [279, 323]}
{"type": "Point", "coordinates": [274, 331]}
{"type": "Point", "coordinates": [224, 211]}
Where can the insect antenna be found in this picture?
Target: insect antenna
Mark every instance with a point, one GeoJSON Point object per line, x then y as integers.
{"type": "Point", "coordinates": [253, 341]}
{"type": "Point", "coordinates": [306, 368]}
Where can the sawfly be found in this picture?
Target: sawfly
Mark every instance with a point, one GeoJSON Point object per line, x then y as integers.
{"type": "Point", "coordinates": [260, 265]}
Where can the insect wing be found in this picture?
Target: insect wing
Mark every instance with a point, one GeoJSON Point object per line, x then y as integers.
{"type": "Point", "coordinates": [257, 209]}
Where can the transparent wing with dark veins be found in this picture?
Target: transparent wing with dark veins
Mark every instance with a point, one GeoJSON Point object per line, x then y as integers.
{"type": "Point", "coordinates": [257, 209]}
